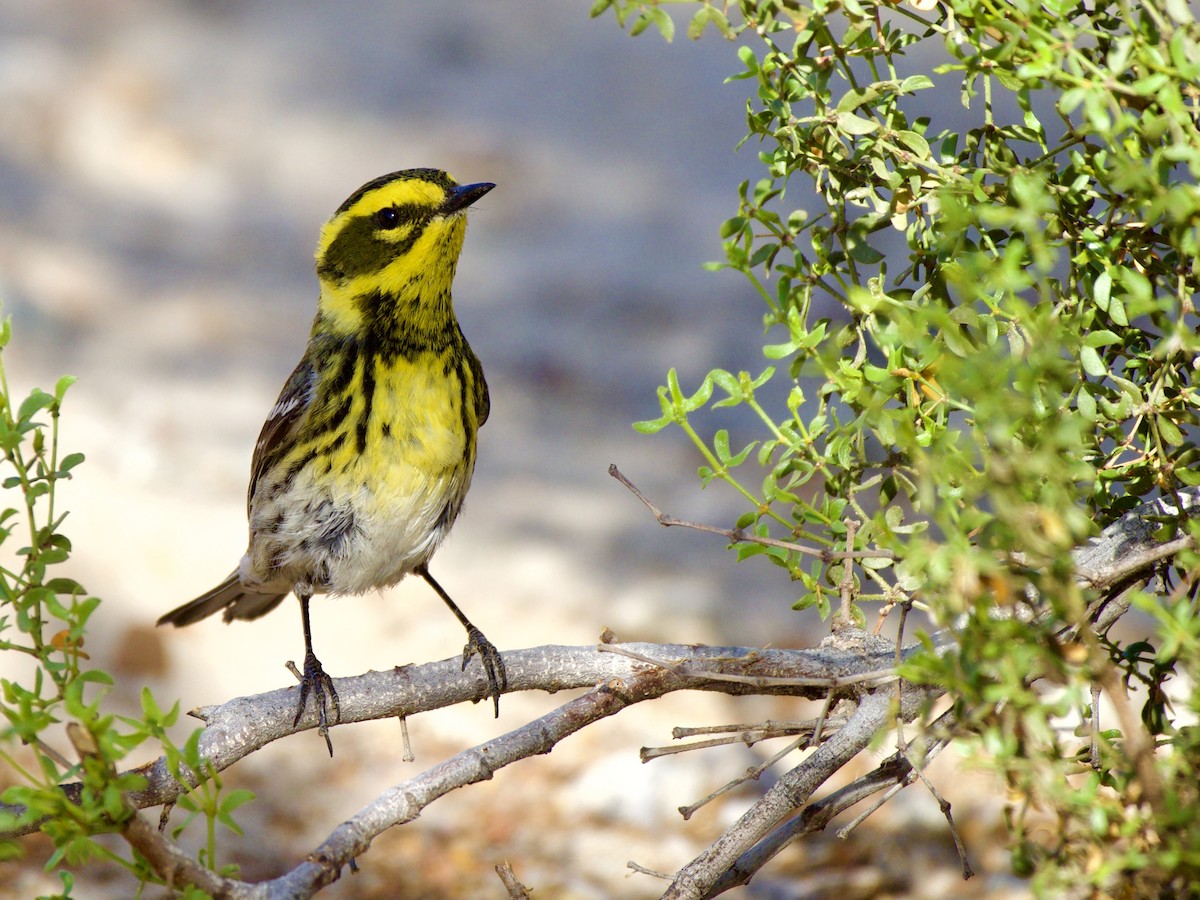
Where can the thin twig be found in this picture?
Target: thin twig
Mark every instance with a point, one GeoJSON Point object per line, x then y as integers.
{"type": "Point", "coordinates": [648, 753]}
{"type": "Point", "coordinates": [408, 756]}
{"type": "Point", "coordinates": [746, 735]}
{"type": "Point", "coordinates": [816, 815]}
{"type": "Point", "coordinates": [51, 752]}
{"type": "Point", "coordinates": [918, 768]}
{"type": "Point", "coordinates": [752, 774]}
{"type": "Point", "coordinates": [846, 587]}
{"type": "Point", "coordinates": [737, 535]}
{"type": "Point", "coordinates": [512, 884]}
{"type": "Point", "coordinates": [820, 726]}
{"type": "Point", "coordinates": [769, 728]}
{"type": "Point", "coordinates": [642, 870]}
{"type": "Point", "coordinates": [844, 832]}
{"type": "Point", "coordinates": [790, 792]}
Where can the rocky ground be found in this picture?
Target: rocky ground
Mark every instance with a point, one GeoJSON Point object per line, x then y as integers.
{"type": "Point", "coordinates": [164, 168]}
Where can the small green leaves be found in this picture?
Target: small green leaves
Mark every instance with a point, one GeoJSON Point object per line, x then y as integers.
{"type": "Point", "coordinates": [986, 338]}
{"type": "Point", "coordinates": [657, 17]}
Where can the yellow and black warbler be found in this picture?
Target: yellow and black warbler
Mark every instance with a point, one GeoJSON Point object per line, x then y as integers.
{"type": "Point", "coordinates": [363, 463]}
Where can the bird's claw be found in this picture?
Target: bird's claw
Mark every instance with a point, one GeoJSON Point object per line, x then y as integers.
{"type": "Point", "coordinates": [317, 682]}
{"type": "Point", "coordinates": [492, 661]}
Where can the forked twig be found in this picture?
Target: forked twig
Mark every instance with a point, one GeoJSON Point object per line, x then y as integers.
{"type": "Point", "coordinates": [738, 535]}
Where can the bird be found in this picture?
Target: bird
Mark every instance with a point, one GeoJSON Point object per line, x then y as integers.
{"type": "Point", "coordinates": [364, 461]}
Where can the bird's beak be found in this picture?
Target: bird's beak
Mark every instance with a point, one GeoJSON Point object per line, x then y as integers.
{"type": "Point", "coordinates": [464, 195]}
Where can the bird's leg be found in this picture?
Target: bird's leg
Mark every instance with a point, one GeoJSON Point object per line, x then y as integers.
{"type": "Point", "coordinates": [489, 656]}
{"type": "Point", "coordinates": [315, 679]}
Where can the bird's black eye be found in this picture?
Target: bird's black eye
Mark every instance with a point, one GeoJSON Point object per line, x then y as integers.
{"type": "Point", "coordinates": [388, 217]}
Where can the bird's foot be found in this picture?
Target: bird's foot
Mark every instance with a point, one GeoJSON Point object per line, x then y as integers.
{"type": "Point", "coordinates": [320, 685]}
{"type": "Point", "coordinates": [493, 663]}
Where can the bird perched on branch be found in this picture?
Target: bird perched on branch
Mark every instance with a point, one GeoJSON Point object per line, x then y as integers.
{"type": "Point", "coordinates": [363, 463]}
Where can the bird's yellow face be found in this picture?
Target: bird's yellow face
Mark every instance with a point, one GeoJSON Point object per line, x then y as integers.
{"type": "Point", "coordinates": [396, 241]}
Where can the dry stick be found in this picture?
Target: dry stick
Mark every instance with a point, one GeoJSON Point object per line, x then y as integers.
{"type": "Point", "coordinates": [770, 728]}
{"type": "Point", "coordinates": [512, 884]}
{"type": "Point", "coordinates": [408, 756]}
{"type": "Point", "coordinates": [820, 726]}
{"type": "Point", "coordinates": [791, 791]}
{"type": "Point", "coordinates": [648, 753]}
{"type": "Point", "coordinates": [941, 727]}
{"type": "Point", "coordinates": [749, 735]}
{"type": "Point", "coordinates": [752, 774]}
{"type": "Point", "coordinates": [844, 832]}
{"type": "Point", "coordinates": [642, 870]}
{"type": "Point", "coordinates": [932, 748]}
{"type": "Point", "coordinates": [815, 816]}
{"type": "Point", "coordinates": [902, 745]}
{"type": "Point", "coordinates": [737, 535]}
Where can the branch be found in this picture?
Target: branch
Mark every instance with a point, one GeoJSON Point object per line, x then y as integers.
{"type": "Point", "coordinates": [243, 725]}
{"type": "Point", "coordinates": [894, 772]}
{"type": "Point", "coordinates": [785, 796]}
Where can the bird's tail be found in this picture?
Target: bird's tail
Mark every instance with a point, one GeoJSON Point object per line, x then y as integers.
{"type": "Point", "coordinates": [235, 599]}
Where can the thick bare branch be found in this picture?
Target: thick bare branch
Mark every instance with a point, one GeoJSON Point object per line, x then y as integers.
{"type": "Point", "coordinates": [237, 728]}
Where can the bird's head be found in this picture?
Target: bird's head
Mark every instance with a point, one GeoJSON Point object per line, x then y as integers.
{"type": "Point", "coordinates": [398, 236]}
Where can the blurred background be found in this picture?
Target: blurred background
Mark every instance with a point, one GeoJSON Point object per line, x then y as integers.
{"type": "Point", "coordinates": [164, 170]}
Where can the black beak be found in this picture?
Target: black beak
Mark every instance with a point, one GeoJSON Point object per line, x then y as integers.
{"type": "Point", "coordinates": [464, 195]}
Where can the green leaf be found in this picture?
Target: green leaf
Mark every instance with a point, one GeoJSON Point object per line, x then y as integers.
{"type": "Point", "coordinates": [68, 462]}
{"type": "Point", "coordinates": [914, 142]}
{"type": "Point", "coordinates": [849, 123]}
{"type": "Point", "coordinates": [229, 803]}
{"type": "Point", "coordinates": [1091, 362]}
{"type": "Point", "coordinates": [652, 426]}
{"type": "Point", "coordinates": [915, 83]}
{"type": "Point", "coordinates": [60, 386]}
{"type": "Point", "coordinates": [861, 251]}
{"type": "Point", "coordinates": [852, 100]}
{"type": "Point", "coordinates": [33, 404]}
{"type": "Point", "coordinates": [1169, 431]}
{"type": "Point", "coordinates": [1101, 338]}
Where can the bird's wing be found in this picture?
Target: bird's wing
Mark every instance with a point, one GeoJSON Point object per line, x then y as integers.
{"type": "Point", "coordinates": [483, 403]}
{"type": "Point", "coordinates": [283, 421]}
